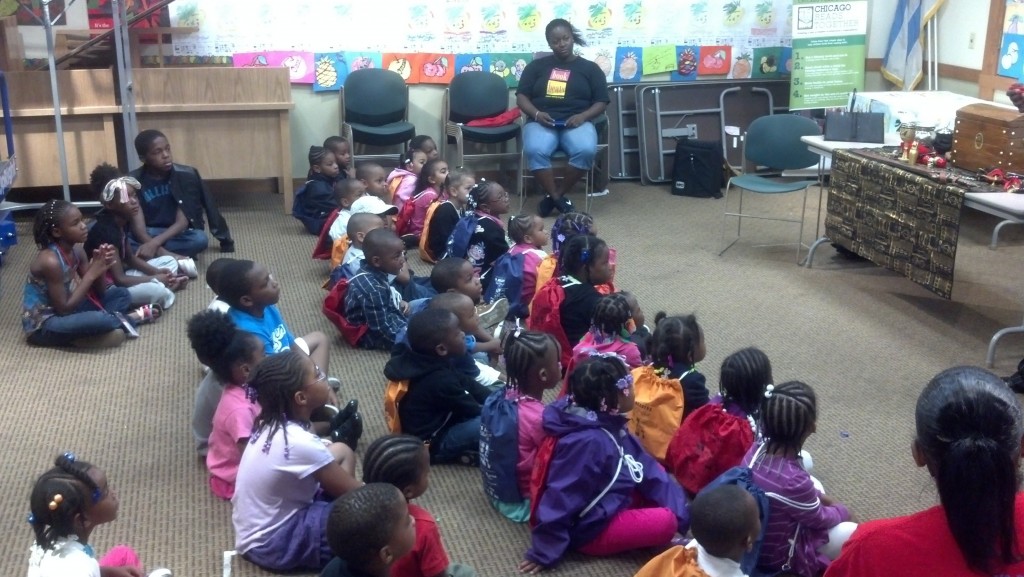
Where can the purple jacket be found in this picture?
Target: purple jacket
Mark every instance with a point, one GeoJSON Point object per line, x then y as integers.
{"type": "Point", "coordinates": [582, 464]}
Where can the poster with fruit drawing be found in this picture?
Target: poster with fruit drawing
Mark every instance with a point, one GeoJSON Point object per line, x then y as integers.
{"type": "Point", "coordinates": [299, 64]}
{"type": "Point", "coordinates": [786, 60]}
{"type": "Point", "coordinates": [742, 65]}
{"type": "Point", "coordinates": [509, 66]}
{"type": "Point", "coordinates": [628, 64]}
{"type": "Point", "coordinates": [686, 64]}
{"type": "Point", "coordinates": [406, 64]}
{"type": "Point", "coordinates": [437, 68]}
{"type": "Point", "coordinates": [599, 20]}
{"type": "Point", "coordinates": [457, 20]}
{"type": "Point", "coordinates": [421, 24]}
{"type": "Point", "coordinates": [602, 55]}
{"type": "Point", "coordinates": [714, 60]}
{"type": "Point", "coordinates": [766, 63]}
{"type": "Point", "coordinates": [472, 63]}
{"type": "Point", "coordinates": [329, 71]}
{"type": "Point", "coordinates": [1009, 63]}
{"type": "Point", "coordinates": [360, 60]}
{"type": "Point", "coordinates": [493, 31]}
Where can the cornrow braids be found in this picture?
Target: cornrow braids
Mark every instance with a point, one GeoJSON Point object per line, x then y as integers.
{"type": "Point", "coordinates": [788, 413]}
{"type": "Point", "coordinates": [567, 226]}
{"type": "Point", "coordinates": [478, 194]}
{"type": "Point", "coordinates": [47, 219]}
{"type": "Point", "coordinates": [316, 155]}
{"type": "Point", "coordinates": [275, 381]}
{"type": "Point", "coordinates": [58, 496]}
{"type": "Point", "coordinates": [675, 339]}
{"type": "Point", "coordinates": [743, 379]}
{"type": "Point", "coordinates": [522, 350]}
{"type": "Point", "coordinates": [592, 383]}
{"type": "Point", "coordinates": [611, 314]}
{"type": "Point", "coordinates": [519, 226]}
{"type": "Point", "coordinates": [394, 459]}
{"type": "Point", "coordinates": [580, 252]}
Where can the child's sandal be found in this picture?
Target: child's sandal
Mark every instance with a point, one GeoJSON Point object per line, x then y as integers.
{"type": "Point", "coordinates": [145, 314]}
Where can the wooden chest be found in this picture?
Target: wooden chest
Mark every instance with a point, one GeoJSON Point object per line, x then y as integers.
{"type": "Point", "coordinates": [987, 137]}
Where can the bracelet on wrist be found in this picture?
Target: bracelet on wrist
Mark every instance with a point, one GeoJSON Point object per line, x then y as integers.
{"type": "Point", "coordinates": [536, 116]}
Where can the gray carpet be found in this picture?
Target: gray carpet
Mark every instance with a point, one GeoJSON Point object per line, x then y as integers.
{"type": "Point", "coordinates": [866, 339]}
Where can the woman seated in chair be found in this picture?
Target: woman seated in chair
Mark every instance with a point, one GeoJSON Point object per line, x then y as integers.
{"type": "Point", "coordinates": [561, 94]}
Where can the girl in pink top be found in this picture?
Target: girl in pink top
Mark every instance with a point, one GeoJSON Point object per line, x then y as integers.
{"type": "Point", "coordinates": [233, 354]}
{"type": "Point", "coordinates": [402, 181]}
{"type": "Point", "coordinates": [431, 182]}
{"type": "Point", "coordinates": [530, 238]}
{"type": "Point", "coordinates": [610, 332]}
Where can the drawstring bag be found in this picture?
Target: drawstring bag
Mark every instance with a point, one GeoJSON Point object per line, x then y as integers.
{"type": "Point", "coordinates": [657, 409]}
{"type": "Point", "coordinates": [708, 443]}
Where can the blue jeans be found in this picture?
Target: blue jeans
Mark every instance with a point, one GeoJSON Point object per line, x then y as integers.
{"type": "Point", "coordinates": [458, 440]}
{"type": "Point", "coordinates": [87, 320]}
{"type": "Point", "coordinates": [189, 242]}
{"type": "Point", "coordinates": [540, 142]}
{"type": "Point", "coordinates": [417, 288]}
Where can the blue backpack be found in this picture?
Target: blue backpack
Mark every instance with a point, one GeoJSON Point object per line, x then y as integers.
{"type": "Point", "coordinates": [458, 240]}
{"type": "Point", "coordinates": [499, 448]}
{"type": "Point", "coordinates": [507, 281]}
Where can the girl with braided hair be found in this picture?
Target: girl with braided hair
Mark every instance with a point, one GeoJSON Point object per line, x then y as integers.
{"type": "Point", "coordinates": [66, 300]}
{"type": "Point", "coordinates": [601, 493]}
{"type": "Point", "coordinates": [315, 201]}
{"type": "Point", "coordinates": [489, 201]}
{"type": "Point", "coordinates": [287, 475]}
{"type": "Point", "coordinates": [805, 529]}
{"type": "Point", "coordinates": [67, 503]}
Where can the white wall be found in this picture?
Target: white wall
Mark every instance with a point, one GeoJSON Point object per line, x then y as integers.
{"type": "Point", "coordinates": [957, 20]}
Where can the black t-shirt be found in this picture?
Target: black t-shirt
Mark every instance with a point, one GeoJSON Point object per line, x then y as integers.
{"type": "Point", "coordinates": [563, 89]}
{"type": "Point", "coordinates": [442, 223]}
{"type": "Point", "coordinates": [157, 202]}
{"type": "Point", "coordinates": [485, 246]}
{"type": "Point", "coordinates": [577, 310]}
{"type": "Point", "coordinates": [106, 230]}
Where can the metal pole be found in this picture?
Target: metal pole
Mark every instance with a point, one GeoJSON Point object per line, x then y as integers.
{"type": "Point", "coordinates": [124, 77]}
{"type": "Point", "coordinates": [55, 92]}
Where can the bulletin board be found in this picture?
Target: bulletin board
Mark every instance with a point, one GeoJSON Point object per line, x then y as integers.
{"type": "Point", "coordinates": [321, 41]}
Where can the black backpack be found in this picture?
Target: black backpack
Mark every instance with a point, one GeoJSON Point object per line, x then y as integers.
{"type": "Point", "coordinates": [697, 169]}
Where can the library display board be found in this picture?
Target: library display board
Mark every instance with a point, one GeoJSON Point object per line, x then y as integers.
{"type": "Point", "coordinates": [321, 41]}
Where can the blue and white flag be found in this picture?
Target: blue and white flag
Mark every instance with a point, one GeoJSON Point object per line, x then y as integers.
{"type": "Point", "coordinates": [903, 61]}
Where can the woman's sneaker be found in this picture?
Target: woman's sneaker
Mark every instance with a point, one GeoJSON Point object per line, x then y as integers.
{"type": "Point", "coordinates": [564, 205]}
{"type": "Point", "coordinates": [546, 207]}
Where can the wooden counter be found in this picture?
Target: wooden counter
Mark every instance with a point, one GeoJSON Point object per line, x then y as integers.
{"type": "Point", "coordinates": [227, 122]}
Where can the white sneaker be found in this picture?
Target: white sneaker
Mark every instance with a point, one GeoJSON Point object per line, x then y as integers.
{"type": "Point", "coordinates": [598, 193]}
{"type": "Point", "coordinates": [187, 267]}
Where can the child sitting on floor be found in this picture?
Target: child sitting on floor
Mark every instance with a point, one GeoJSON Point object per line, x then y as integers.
{"type": "Point", "coordinates": [457, 275]}
{"type": "Point", "coordinates": [725, 522]}
{"type": "Point", "coordinates": [488, 201]}
{"type": "Point", "coordinates": [173, 200]}
{"type": "Point", "coordinates": [346, 192]}
{"type": "Point", "coordinates": [152, 282]}
{"type": "Point", "coordinates": [342, 150]}
{"type": "Point", "coordinates": [287, 474]}
{"type": "Point", "coordinates": [67, 503]}
{"type": "Point", "coordinates": [431, 182]}
{"type": "Point", "coordinates": [676, 346]}
{"type": "Point", "coordinates": [315, 201]}
{"type": "Point", "coordinates": [358, 227]}
{"type": "Point", "coordinates": [530, 238]}
{"type": "Point", "coordinates": [368, 530]}
{"type": "Point", "coordinates": [805, 529]}
{"type": "Point", "coordinates": [404, 461]}
{"type": "Point", "coordinates": [426, 145]}
{"type": "Point", "coordinates": [610, 332]}
{"type": "Point", "coordinates": [370, 300]}
{"type": "Point", "coordinates": [617, 498]}
{"type": "Point", "coordinates": [66, 300]}
{"type": "Point", "coordinates": [402, 180]}
{"type": "Point", "coordinates": [531, 362]}
{"type": "Point", "coordinates": [442, 216]}
{"type": "Point", "coordinates": [442, 405]}
{"type": "Point", "coordinates": [375, 179]}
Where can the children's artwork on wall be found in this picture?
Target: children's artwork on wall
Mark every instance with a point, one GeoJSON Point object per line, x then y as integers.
{"type": "Point", "coordinates": [1010, 55]}
{"type": "Point", "coordinates": [421, 20]}
{"type": "Point", "coordinates": [598, 26]}
{"type": "Point", "coordinates": [360, 60]}
{"type": "Point", "coordinates": [686, 64]}
{"type": "Point", "coordinates": [765, 22]}
{"type": "Point", "coordinates": [299, 64]}
{"type": "Point", "coordinates": [602, 56]}
{"type": "Point", "coordinates": [742, 67]}
{"type": "Point", "coordinates": [714, 60]}
{"type": "Point", "coordinates": [766, 63]}
{"type": "Point", "coordinates": [493, 25]}
{"type": "Point", "coordinates": [786, 61]}
{"type": "Point", "coordinates": [530, 18]}
{"type": "Point", "coordinates": [407, 65]}
{"type": "Point", "coordinates": [30, 12]}
{"type": "Point", "coordinates": [437, 68]}
{"type": "Point", "coordinates": [509, 66]}
{"type": "Point", "coordinates": [472, 62]}
{"type": "Point", "coordinates": [659, 58]}
{"type": "Point", "coordinates": [458, 23]}
{"type": "Point", "coordinates": [330, 71]}
{"type": "Point", "coordinates": [629, 62]}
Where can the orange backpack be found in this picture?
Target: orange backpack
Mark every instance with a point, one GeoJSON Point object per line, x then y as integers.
{"type": "Point", "coordinates": [338, 250]}
{"type": "Point", "coordinates": [393, 394]}
{"type": "Point", "coordinates": [425, 235]}
{"type": "Point", "coordinates": [657, 409]}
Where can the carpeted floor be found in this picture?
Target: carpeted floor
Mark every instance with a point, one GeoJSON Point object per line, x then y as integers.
{"type": "Point", "coordinates": [866, 339]}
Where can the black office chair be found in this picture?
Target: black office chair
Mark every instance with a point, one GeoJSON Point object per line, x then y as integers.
{"type": "Point", "coordinates": [374, 110]}
{"type": "Point", "coordinates": [471, 96]}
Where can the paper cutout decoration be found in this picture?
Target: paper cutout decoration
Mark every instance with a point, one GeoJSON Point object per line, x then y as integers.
{"type": "Point", "coordinates": [472, 62]}
{"type": "Point", "coordinates": [714, 60]}
{"type": "Point", "coordinates": [786, 60]}
{"type": "Point", "coordinates": [299, 64]}
{"type": "Point", "coordinates": [407, 65]}
{"type": "Point", "coordinates": [742, 67]}
{"type": "Point", "coordinates": [437, 68]}
{"type": "Point", "coordinates": [330, 71]}
{"type": "Point", "coordinates": [602, 56]}
{"type": "Point", "coordinates": [660, 58]}
{"type": "Point", "coordinates": [686, 64]}
{"type": "Point", "coordinates": [360, 60]}
{"type": "Point", "coordinates": [1010, 61]}
{"type": "Point", "coordinates": [528, 18]}
{"type": "Point", "coordinates": [629, 62]}
{"type": "Point", "coordinates": [509, 66]}
{"type": "Point", "coordinates": [766, 63]}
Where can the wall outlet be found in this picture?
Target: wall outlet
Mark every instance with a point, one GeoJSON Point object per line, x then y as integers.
{"type": "Point", "coordinates": [970, 40]}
